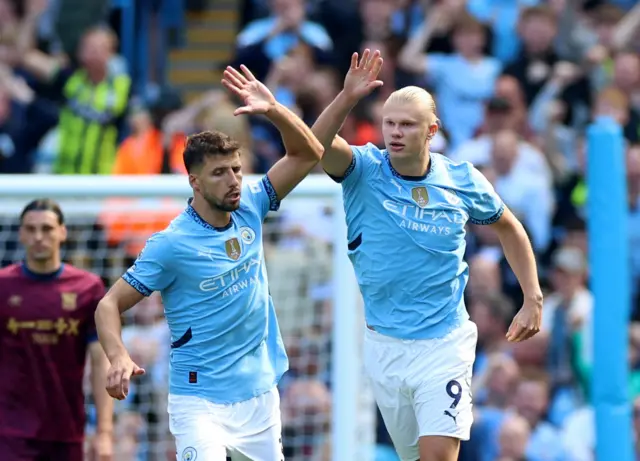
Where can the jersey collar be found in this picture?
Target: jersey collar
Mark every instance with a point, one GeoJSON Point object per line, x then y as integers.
{"type": "Point", "coordinates": [410, 178]}
{"type": "Point", "coordinates": [197, 218]}
{"type": "Point", "coordinates": [41, 277]}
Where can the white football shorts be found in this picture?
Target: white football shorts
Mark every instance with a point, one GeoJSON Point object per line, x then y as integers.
{"type": "Point", "coordinates": [422, 387]}
{"type": "Point", "coordinates": [247, 431]}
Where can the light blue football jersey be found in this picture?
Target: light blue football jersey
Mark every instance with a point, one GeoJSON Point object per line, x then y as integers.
{"type": "Point", "coordinates": [407, 240]}
{"type": "Point", "coordinates": [226, 344]}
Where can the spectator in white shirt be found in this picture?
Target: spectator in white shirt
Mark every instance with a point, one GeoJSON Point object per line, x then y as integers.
{"type": "Point", "coordinates": [501, 114]}
{"type": "Point", "coordinates": [525, 191]}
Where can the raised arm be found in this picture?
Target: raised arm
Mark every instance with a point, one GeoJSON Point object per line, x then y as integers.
{"type": "Point", "coordinates": [360, 81]}
{"type": "Point", "coordinates": [303, 150]}
{"type": "Point", "coordinates": [412, 57]}
{"type": "Point", "coordinates": [627, 28]}
{"type": "Point", "coordinates": [41, 65]}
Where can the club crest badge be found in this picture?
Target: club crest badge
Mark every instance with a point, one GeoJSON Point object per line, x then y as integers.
{"type": "Point", "coordinates": [69, 301]}
{"type": "Point", "coordinates": [247, 235]}
{"type": "Point", "coordinates": [189, 454]}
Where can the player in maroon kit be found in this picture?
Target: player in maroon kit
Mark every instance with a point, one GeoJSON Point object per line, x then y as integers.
{"type": "Point", "coordinates": [46, 331]}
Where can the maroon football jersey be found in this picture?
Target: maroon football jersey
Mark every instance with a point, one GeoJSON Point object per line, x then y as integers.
{"type": "Point", "coordinates": [46, 324]}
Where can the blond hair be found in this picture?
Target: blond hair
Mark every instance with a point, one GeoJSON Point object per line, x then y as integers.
{"type": "Point", "coordinates": [415, 95]}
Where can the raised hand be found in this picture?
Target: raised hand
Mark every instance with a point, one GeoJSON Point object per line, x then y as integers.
{"type": "Point", "coordinates": [362, 77]}
{"type": "Point", "coordinates": [255, 95]}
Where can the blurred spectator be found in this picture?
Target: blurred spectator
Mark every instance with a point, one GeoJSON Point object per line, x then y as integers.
{"type": "Point", "coordinates": [535, 66]}
{"type": "Point", "coordinates": [525, 191]}
{"type": "Point", "coordinates": [306, 407]}
{"type": "Point", "coordinates": [492, 314]}
{"type": "Point", "coordinates": [484, 277]}
{"type": "Point", "coordinates": [355, 25]}
{"type": "Point", "coordinates": [148, 338]}
{"type": "Point", "coordinates": [287, 76]}
{"type": "Point", "coordinates": [499, 384]}
{"type": "Point", "coordinates": [507, 109]}
{"type": "Point", "coordinates": [569, 329]}
{"type": "Point", "coordinates": [459, 98]}
{"type": "Point", "coordinates": [95, 103]}
{"type": "Point", "coordinates": [531, 401]}
{"type": "Point", "coordinates": [24, 119]}
{"type": "Point", "coordinates": [266, 41]}
{"type": "Point", "coordinates": [515, 436]}
{"type": "Point", "coordinates": [147, 150]}
{"type": "Point", "coordinates": [505, 112]}
{"type": "Point", "coordinates": [219, 116]}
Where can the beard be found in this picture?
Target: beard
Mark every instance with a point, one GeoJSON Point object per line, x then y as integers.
{"type": "Point", "coordinates": [225, 204]}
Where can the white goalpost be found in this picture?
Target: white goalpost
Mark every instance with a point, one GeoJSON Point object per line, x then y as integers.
{"type": "Point", "coordinates": [328, 409]}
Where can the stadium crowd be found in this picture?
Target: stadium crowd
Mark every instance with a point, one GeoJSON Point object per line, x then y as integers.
{"type": "Point", "coordinates": [516, 85]}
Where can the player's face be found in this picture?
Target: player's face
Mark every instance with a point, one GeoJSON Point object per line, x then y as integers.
{"type": "Point", "coordinates": [406, 128]}
{"type": "Point", "coordinates": [42, 234]}
{"type": "Point", "coordinates": [219, 181]}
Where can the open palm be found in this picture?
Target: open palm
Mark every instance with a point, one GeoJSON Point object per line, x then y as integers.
{"type": "Point", "coordinates": [362, 77]}
{"type": "Point", "coordinates": [256, 97]}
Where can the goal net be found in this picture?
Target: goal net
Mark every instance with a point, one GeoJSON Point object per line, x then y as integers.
{"type": "Point", "coordinates": [328, 411]}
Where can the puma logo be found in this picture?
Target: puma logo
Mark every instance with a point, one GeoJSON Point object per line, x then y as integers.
{"type": "Point", "coordinates": [452, 416]}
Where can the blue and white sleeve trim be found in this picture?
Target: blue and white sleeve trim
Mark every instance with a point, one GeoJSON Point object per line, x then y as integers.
{"type": "Point", "coordinates": [274, 203]}
{"type": "Point", "coordinates": [493, 219]}
{"type": "Point", "coordinates": [137, 284]}
{"type": "Point", "coordinates": [347, 172]}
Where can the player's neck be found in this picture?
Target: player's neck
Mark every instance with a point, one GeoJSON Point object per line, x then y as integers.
{"type": "Point", "coordinates": [48, 266]}
{"type": "Point", "coordinates": [216, 218]}
{"type": "Point", "coordinates": [412, 166]}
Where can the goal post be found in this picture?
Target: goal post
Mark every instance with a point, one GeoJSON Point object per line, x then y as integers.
{"type": "Point", "coordinates": [110, 217]}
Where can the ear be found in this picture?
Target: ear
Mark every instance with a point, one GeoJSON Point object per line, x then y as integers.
{"type": "Point", "coordinates": [21, 237]}
{"type": "Point", "coordinates": [433, 129]}
{"type": "Point", "coordinates": [194, 183]}
{"type": "Point", "coordinates": [63, 233]}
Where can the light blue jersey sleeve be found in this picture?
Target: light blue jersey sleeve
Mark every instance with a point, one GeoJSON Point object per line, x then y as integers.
{"type": "Point", "coordinates": [152, 271]}
{"type": "Point", "coordinates": [485, 205]}
{"type": "Point", "coordinates": [362, 158]}
{"type": "Point", "coordinates": [261, 196]}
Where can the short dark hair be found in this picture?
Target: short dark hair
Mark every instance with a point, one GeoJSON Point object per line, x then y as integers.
{"type": "Point", "coordinates": [43, 204]}
{"type": "Point", "coordinates": [201, 145]}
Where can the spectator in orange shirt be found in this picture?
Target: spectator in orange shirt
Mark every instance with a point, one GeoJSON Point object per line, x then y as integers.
{"type": "Point", "coordinates": [149, 150]}
{"type": "Point", "coordinates": [160, 131]}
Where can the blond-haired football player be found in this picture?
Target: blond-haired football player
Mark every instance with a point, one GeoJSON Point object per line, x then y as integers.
{"type": "Point", "coordinates": [407, 209]}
